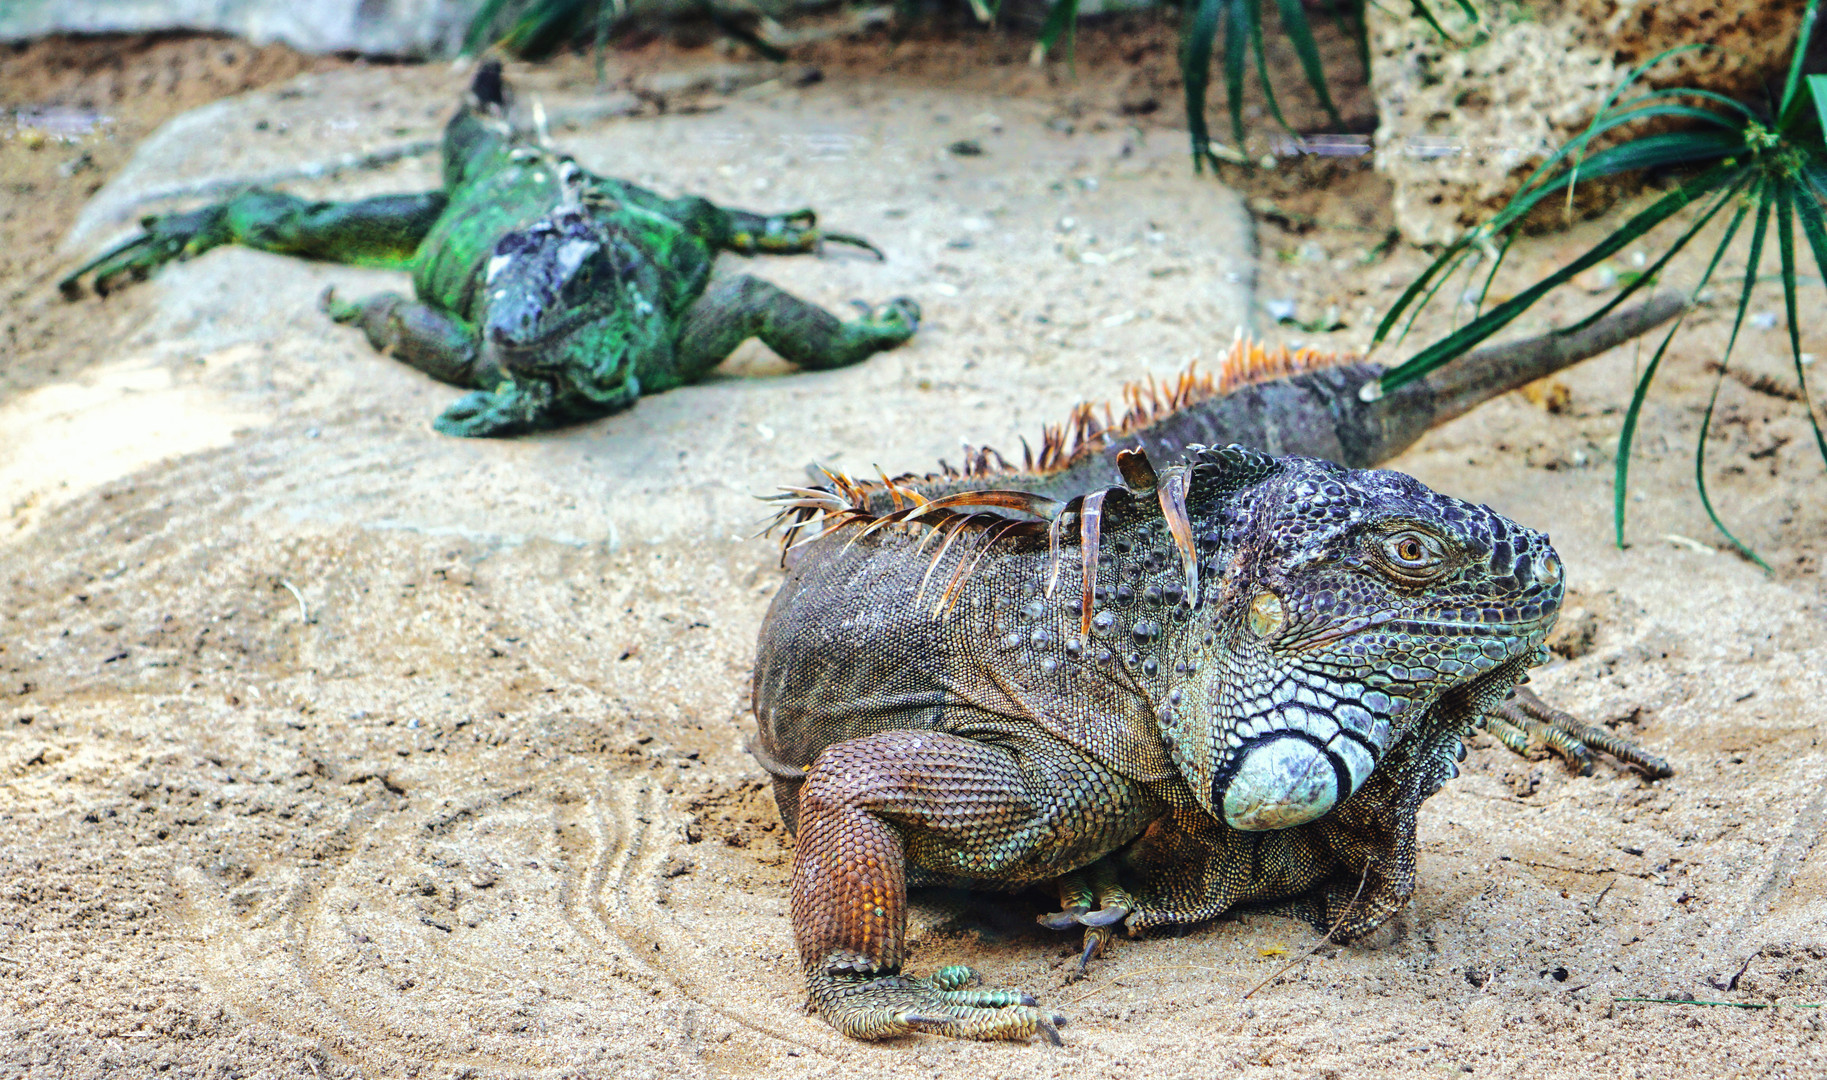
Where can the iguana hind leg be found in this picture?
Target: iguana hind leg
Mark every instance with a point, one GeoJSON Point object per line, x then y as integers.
{"type": "Point", "coordinates": [737, 308]}
{"type": "Point", "coordinates": [745, 231]}
{"type": "Point", "coordinates": [1524, 718]}
{"type": "Point", "coordinates": [383, 231]}
{"type": "Point", "coordinates": [951, 806]}
{"type": "Point", "coordinates": [1094, 899]}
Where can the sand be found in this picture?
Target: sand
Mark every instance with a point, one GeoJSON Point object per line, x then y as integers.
{"type": "Point", "coordinates": [332, 747]}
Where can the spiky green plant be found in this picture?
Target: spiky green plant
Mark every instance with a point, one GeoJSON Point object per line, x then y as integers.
{"type": "Point", "coordinates": [1766, 162]}
{"type": "Point", "coordinates": [1238, 50]}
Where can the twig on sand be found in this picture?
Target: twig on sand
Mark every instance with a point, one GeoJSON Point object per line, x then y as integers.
{"type": "Point", "coordinates": [304, 613]}
{"type": "Point", "coordinates": [1727, 1004]}
{"type": "Point", "coordinates": [1336, 923]}
{"type": "Point", "coordinates": [1323, 942]}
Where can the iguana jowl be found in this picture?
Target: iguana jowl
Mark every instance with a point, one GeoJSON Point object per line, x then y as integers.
{"type": "Point", "coordinates": [1229, 679]}
{"type": "Point", "coordinates": [556, 294]}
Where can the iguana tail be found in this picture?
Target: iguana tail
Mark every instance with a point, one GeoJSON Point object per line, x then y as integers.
{"type": "Point", "coordinates": [1281, 402]}
{"type": "Point", "coordinates": [1313, 405]}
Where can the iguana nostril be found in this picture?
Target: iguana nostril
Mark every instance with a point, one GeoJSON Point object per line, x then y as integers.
{"type": "Point", "coordinates": [1548, 567]}
{"type": "Point", "coordinates": [1283, 782]}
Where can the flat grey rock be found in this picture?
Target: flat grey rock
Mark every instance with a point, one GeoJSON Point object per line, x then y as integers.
{"type": "Point", "coordinates": [416, 28]}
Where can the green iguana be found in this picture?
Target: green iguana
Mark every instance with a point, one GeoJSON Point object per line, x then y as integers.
{"type": "Point", "coordinates": [1230, 678]}
{"type": "Point", "coordinates": [555, 294]}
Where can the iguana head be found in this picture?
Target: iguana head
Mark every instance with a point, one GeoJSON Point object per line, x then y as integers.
{"type": "Point", "coordinates": [545, 282]}
{"type": "Point", "coordinates": [1342, 606]}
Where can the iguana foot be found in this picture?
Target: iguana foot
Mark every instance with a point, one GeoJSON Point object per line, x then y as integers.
{"type": "Point", "coordinates": [1524, 717]}
{"type": "Point", "coordinates": [164, 238]}
{"type": "Point", "coordinates": [1093, 899]}
{"type": "Point", "coordinates": [900, 317]}
{"type": "Point", "coordinates": [881, 1007]}
{"type": "Point", "coordinates": [507, 410]}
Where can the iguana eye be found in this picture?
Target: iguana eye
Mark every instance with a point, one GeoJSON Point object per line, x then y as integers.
{"type": "Point", "coordinates": [1412, 555]}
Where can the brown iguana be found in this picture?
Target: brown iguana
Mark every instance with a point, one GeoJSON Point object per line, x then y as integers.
{"type": "Point", "coordinates": [1227, 678]}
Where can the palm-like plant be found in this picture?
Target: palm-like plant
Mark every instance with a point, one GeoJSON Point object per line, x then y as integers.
{"type": "Point", "coordinates": [1242, 46]}
{"type": "Point", "coordinates": [1768, 165]}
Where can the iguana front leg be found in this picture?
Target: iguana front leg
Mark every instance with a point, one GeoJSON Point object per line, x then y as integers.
{"type": "Point", "coordinates": [954, 807]}
{"type": "Point", "coordinates": [432, 340]}
{"type": "Point", "coordinates": [383, 231]}
{"type": "Point", "coordinates": [737, 308]}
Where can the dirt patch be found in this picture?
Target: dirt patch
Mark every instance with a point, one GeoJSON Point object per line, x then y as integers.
{"type": "Point", "coordinates": [329, 747]}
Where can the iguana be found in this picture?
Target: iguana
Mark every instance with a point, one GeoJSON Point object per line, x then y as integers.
{"type": "Point", "coordinates": [1169, 689]}
{"type": "Point", "coordinates": [555, 294]}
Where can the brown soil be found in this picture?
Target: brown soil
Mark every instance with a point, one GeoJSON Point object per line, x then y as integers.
{"type": "Point", "coordinates": [125, 87]}
{"type": "Point", "coordinates": [300, 778]}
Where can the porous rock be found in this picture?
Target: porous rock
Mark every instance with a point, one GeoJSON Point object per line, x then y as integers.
{"type": "Point", "coordinates": [1462, 123]}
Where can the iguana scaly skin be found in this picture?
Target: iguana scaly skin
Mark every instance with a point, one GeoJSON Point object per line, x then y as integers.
{"type": "Point", "coordinates": [555, 294]}
{"type": "Point", "coordinates": [1230, 679]}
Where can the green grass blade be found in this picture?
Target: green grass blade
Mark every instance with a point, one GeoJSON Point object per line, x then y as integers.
{"type": "Point", "coordinates": [1300, 33]}
{"type": "Point", "coordinates": [1659, 151]}
{"type": "Point", "coordinates": [1196, 74]}
{"type": "Point", "coordinates": [1236, 55]}
{"type": "Point", "coordinates": [1758, 233]}
{"type": "Point", "coordinates": [1496, 265]}
{"type": "Point", "coordinates": [1816, 232]}
{"type": "Point", "coordinates": [1650, 151]}
{"type": "Point", "coordinates": [1676, 109]}
{"type": "Point", "coordinates": [1816, 175]}
{"type": "Point", "coordinates": [1416, 288]}
{"type": "Point", "coordinates": [1062, 18]}
{"type": "Point", "coordinates": [1817, 89]}
{"type": "Point", "coordinates": [1650, 272]}
{"type": "Point", "coordinates": [1615, 159]}
{"type": "Point", "coordinates": [1420, 10]}
{"type": "Point", "coordinates": [1452, 268]}
{"type": "Point", "coordinates": [476, 37]}
{"type": "Point", "coordinates": [1578, 145]}
{"type": "Point", "coordinates": [1793, 83]}
{"type": "Point", "coordinates": [1262, 69]}
{"type": "Point", "coordinates": [1350, 14]}
{"type": "Point", "coordinates": [1706, 498]}
{"type": "Point", "coordinates": [1483, 327]}
{"type": "Point", "coordinates": [1620, 479]}
{"type": "Point", "coordinates": [1691, 91]}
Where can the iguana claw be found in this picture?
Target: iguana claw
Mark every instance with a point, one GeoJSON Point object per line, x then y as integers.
{"type": "Point", "coordinates": [1078, 892]}
{"type": "Point", "coordinates": [852, 240]}
{"type": "Point", "coordinates": [164, 238]}
{"type": "Point", "coordinates": [1524, 717]}
{"type": "Point", "coordinates": [882, 1007]}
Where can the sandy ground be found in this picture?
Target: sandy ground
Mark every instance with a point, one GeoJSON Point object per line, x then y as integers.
{"type": "Point", "coordinates": [331, 747]}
